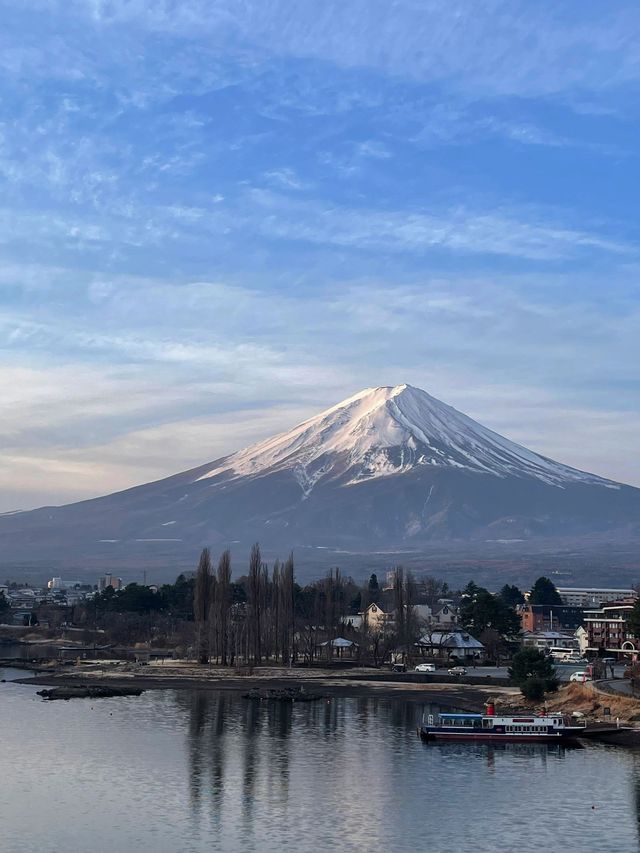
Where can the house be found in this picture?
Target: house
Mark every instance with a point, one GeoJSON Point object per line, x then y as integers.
{"type": "Point", "coordinates": [549, 617]}
{"type": "Point", "coordinates": [445, 615]}
{"type": "Point", "coordinates": [424, 612]}
{"type": "Point", "coordinates": [550, 640]}
{"type": "Point", "coordinates": [441, 615]}
{"type": "Point", "coordinates": [374, 619]}
{"type": "Point", "coordinates": [448, 644]}
{"type": "Point", "coordinates": [608, 631]}
{"type": "Point", "coordinates": [582, 636]}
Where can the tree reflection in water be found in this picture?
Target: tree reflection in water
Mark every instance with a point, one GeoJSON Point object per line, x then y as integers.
{"type": "Point", "coordinates": [228, 750]}
{"type": "Point", "coordinates": [242, 752]}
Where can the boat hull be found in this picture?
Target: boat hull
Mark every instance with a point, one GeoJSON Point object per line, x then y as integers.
{"type": "Point", "coordinates": [427, 733]}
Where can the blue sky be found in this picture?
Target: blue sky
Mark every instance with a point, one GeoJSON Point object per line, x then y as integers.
{"type": "Point", "coordinates": [218, 217]}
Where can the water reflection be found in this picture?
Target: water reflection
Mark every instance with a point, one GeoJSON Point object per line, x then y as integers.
{"type": "Point", "coordinates": [243, 746]}
{"type": "Point", "coordinates": [492, 753]}
{"type": "Point", "coordinates": [205, 771]}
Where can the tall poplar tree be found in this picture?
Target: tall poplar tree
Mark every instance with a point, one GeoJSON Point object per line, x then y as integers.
{"type": "Point", "coordinates": [202, 605]}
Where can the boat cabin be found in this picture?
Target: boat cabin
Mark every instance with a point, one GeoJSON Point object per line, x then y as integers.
{"type": "Point", "coordinates": [499, 725]}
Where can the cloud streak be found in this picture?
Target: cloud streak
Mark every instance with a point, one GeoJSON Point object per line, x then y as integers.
{"type": "Point", "coordinates": [218, 218]}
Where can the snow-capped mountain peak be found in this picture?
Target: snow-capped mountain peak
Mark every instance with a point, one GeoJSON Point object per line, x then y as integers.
{"type": "Point", "coordinates": [386, 469]}
{"type": "Point", "coordinates": [380, 432]}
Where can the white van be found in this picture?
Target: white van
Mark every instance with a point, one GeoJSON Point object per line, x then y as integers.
{"type": "Point", "coordinates": [581, 676]}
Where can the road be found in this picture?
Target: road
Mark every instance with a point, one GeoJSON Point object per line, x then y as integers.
{"type": "Point", "coordinates": [564, 671]}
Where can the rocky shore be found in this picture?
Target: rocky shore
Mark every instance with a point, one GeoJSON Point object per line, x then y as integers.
{"type": "Point", "coordinates": [88, 691]}
{"type": "Point", "coordinates": [265, 681]}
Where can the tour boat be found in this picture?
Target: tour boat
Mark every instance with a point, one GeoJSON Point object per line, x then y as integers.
{"type": "Point", "coordinates": [522, 728]}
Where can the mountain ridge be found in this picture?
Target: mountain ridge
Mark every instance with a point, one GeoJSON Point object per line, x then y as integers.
{"type": "Point", "coordinates": [385, 468]}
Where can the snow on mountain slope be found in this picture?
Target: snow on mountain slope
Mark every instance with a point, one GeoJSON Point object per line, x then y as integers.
{"type": "Point", "coordinates": [384, 431]}
{"type": "Point", "coordinates": [387, 469]}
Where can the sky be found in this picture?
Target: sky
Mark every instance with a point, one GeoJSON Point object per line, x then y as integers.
{"type": "Point", "coordinates": [219, 217]}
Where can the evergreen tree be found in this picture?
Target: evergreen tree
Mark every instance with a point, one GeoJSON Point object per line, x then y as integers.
{"type": "Point", "coordinates": [633, 620]}
{"type": "Point", "coordinates": [544, 592]}
{"type": "Point", "coordinates": [373, 591]}
{"type": "Point", "coordinates": [5, 605]}
{"type": "Point", "coordinates": [532, 671]}
{"type": "Point", "coordinates": [482, 610]}
{"type": "Point", "coordinates": [511, 595]}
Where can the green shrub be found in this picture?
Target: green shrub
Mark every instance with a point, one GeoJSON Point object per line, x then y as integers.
{"type": "Point", "coordinates": [533, 689]}
{"type": "Point", "coordinates": [533, 671]}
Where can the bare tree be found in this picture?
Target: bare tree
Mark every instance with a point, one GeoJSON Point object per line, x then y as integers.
{"type": "Point", "coordinates": [223, 601]}
{"type": "Point", "coordinates": [287, 611]}
{"type": "Point", "coordinates": [202, 605]}
{"type": "Point", "coordinates": [255, 604]}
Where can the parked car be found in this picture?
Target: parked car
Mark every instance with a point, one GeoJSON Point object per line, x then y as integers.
{"type": "Point", "coordinates": [399, 667]}
{"type": "Point", "coordinates": [580, 676]}
{"type": "Point", "coordinates": [426, 667]}
{"type": "Point", "coordinates": [457, 670]}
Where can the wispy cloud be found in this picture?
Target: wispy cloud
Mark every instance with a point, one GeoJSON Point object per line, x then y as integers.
{"type": "Point", "coordinates": [498, 232]}
{"type": "Point", "coordinates": [232, 214]}
{"type": "Point", "coordinates": [284, 178]}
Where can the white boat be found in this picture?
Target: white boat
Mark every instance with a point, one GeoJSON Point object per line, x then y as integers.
{"type": "Point", "coordinates": [520, 728]}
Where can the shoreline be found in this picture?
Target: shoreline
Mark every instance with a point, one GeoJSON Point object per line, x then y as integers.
{"type": "Point", "coordinates": [464, 696]}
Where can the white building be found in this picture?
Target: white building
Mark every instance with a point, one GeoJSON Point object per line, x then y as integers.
{"type": "Point", "coordinates": [582, 636]}
{"type": "Point", "coordinates": [578, 596]}
{"type": "Point", "coordinates": [61, 584]}
{"type": "Point", "coordinates": [550, 640]}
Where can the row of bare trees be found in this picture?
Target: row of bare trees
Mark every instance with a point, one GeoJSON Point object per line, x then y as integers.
{"type": "Point", "coordinates": [262, 628]}
{"type": "Point", "coordinates": [282, 622]}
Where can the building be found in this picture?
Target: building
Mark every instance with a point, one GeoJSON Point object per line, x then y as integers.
{"type": "Point", "coordinates": [582, 636]}
{"type": "Point", "coordinates": [374, 619]}
{"type": "Point", "coordinates": [546, 640]}
{"type": "Point", "coordinates": [578, 596]}
{"type": "Point", "coordinates": [109, 580]}
{"type": "Point", "coordinates": [23, 597]}
{"type": "Point", "coordinates": [61, 584]}
{"type": "Point", "coordinates": [448, 644]}
{"type": "Point", "coordinates": [549, 617]}
{"type": "Point", "coordinates": [608, 631]}
{"type": "Point", "coordinates": [340, 648]}
{"type": "Point", "coordinates": [445, 615]}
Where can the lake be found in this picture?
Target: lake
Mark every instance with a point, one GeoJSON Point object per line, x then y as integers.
{"type": "Point", "coordinates": [200, 771]}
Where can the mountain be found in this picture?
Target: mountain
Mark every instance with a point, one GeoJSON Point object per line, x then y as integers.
{"type": "Point", "coordinates": [388, 468]}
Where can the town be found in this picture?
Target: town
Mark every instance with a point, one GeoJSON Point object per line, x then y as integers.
{"type": "Point", "coordinates": [264, 618]}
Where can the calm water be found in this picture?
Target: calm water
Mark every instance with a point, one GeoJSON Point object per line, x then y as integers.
{"type": "Point", "coordinates": [196, 771]}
